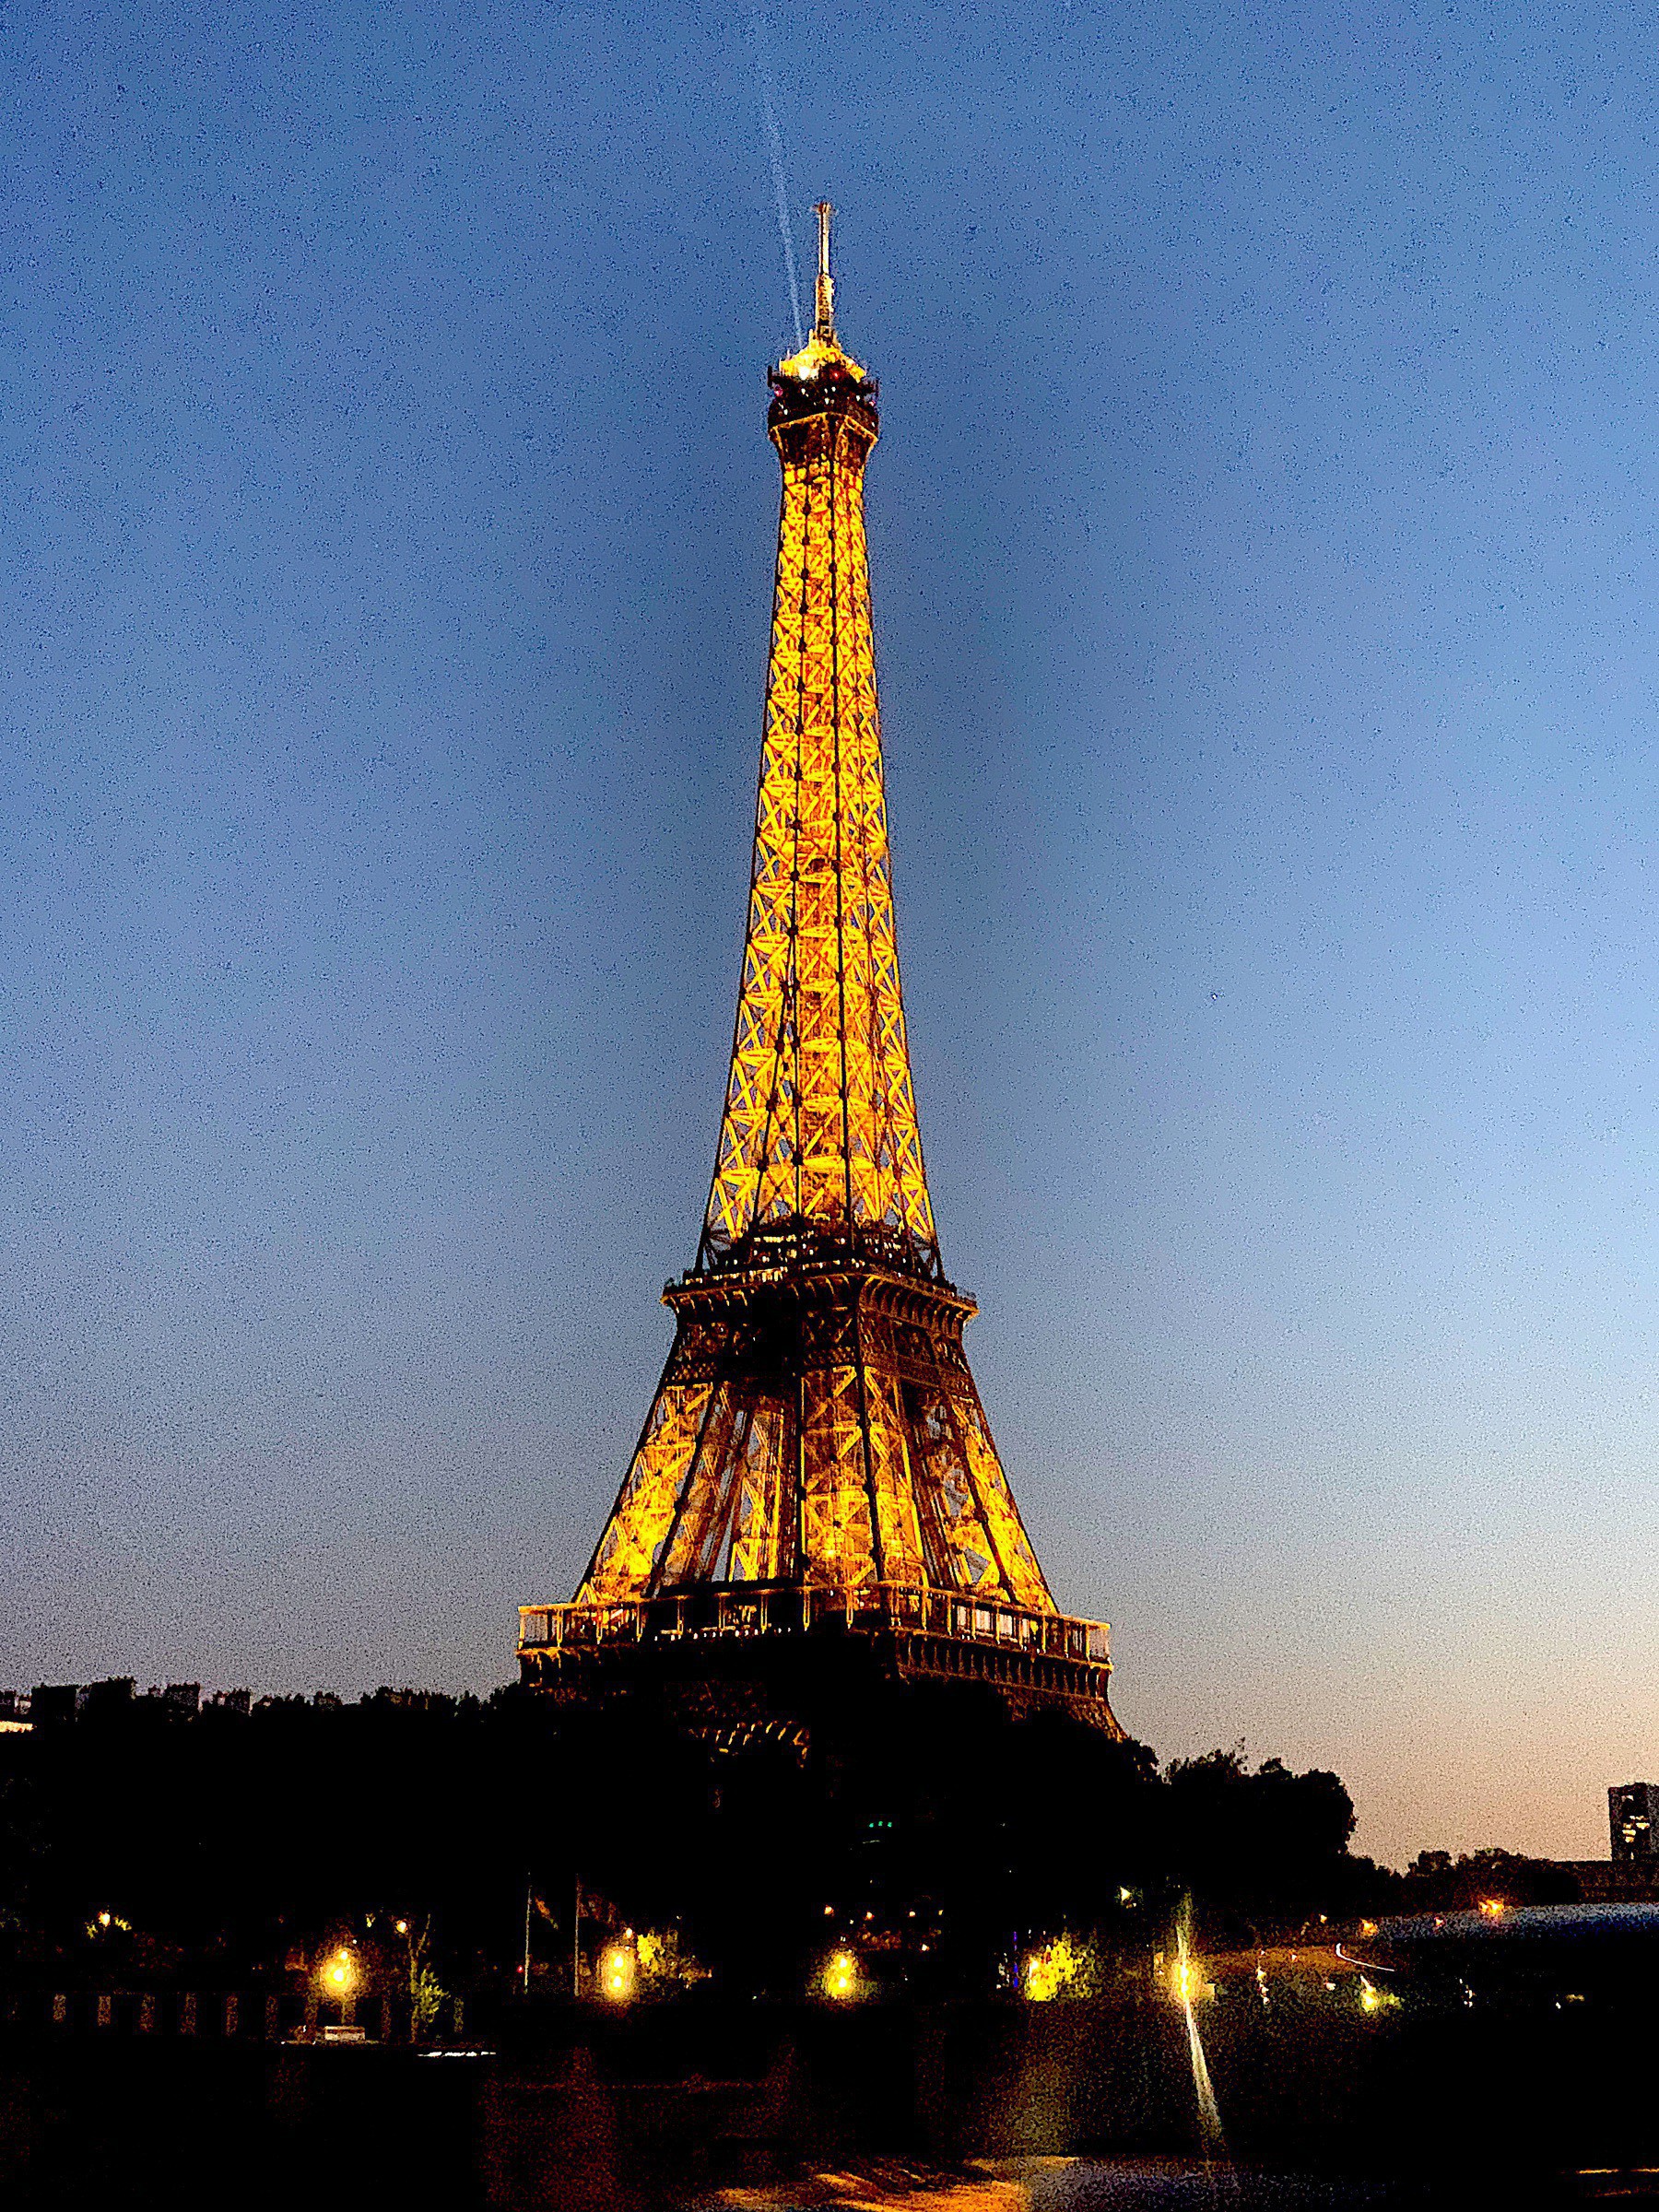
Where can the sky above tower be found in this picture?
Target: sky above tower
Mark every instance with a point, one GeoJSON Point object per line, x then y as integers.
{"type": "Point", "coordinates": [1264, 569]}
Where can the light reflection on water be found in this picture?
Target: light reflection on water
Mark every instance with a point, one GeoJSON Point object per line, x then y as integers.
{"type": "Point", "coordinates": [1209, 2114]}
{"type": "Point", "coordinates": [1128, 2184]}
{"type": "Point", "coordinates": [1179, 2185]}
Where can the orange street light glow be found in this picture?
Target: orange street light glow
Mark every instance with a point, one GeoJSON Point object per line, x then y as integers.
{"type": "Point", "coordinates": [840, 1976]}
{"type": "Point", "coordinates": [616, 1970]}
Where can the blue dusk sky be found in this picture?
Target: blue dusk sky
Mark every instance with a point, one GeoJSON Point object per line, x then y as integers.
{"type": "Point", "coordinates": [1268, 588]}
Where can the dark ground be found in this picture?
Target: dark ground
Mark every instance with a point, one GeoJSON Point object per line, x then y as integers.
{"type": "Point", "coordinates": [635, 2113]}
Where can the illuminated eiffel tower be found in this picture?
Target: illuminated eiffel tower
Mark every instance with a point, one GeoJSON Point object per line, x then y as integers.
{"type": "Point", "coordinates": [815, 1466]}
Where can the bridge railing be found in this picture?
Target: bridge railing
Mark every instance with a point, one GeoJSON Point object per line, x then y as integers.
{"type": "Point", "coordinates": [868, 1609]}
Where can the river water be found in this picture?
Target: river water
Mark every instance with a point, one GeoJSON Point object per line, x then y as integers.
{"type": "Point", "coordinates": [1177, 2185]}
{"type": "Point", "coordinates": [1057, 2185]}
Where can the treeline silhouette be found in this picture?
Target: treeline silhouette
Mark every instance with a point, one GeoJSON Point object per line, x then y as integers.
{"type": "Point", "coordinates": [926, 1825]}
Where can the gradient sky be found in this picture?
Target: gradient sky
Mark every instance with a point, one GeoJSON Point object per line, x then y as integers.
{"type": "Point", "coordinates": [1267, 573]}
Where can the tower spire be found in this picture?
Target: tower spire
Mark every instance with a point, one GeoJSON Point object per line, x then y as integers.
{"type": "Point", "coordinates": [824, 322]}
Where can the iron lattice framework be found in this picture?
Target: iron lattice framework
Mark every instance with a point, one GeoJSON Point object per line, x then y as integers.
{"type": "Point", "coordinates": [817, 1428]}
{"type": "Point", "coordinates": [820, 1116]}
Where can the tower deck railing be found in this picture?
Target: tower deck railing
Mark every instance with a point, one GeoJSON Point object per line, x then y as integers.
{"type": "Point", "coordinates": [871, 1608]}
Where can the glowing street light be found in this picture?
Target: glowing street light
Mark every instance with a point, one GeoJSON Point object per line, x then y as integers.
{"type": "Point", "coordinates": [340, 1973]}
{"type": "Point", "coordinates": [1041, 1981]}
{"type": "Point", "coordinates": [617, 1971]}
{"type": "Point", "coordinates": [840, 1976]}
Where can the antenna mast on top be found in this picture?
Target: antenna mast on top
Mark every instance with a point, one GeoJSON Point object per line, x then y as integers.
{"type": "Point", "coordinates": [824, 327]}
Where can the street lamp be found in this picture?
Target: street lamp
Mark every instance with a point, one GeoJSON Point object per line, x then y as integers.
{"type": "Point", "coordinates": [840, 1976]}
{"type": "Point", "coordinates": [617, 1971]}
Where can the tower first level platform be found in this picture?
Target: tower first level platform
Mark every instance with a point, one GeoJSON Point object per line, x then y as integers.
{"type": "Point", "coordinates": [744, 1661]}
{"type": "Point", "coordinates": [816, 1468]}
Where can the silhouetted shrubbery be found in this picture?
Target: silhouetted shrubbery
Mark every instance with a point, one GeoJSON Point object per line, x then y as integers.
{"type": "Point", "coordinates": [929, 1823]}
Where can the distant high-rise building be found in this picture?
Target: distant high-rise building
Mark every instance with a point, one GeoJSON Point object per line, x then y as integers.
{"type": "Point", "coordinates": [1634, 1820]}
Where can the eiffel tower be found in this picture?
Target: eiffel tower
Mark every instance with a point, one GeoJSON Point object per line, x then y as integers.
{"type": "Point", "coordinates": [815, 1472]}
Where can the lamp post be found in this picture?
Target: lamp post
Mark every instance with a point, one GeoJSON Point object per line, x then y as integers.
{"type": "Point", "coordinates": [617, 1970]}
{"type": "Point", "coordinates": [340, 1982]}
{"type": "Point", "coordinates": [840, 1975]}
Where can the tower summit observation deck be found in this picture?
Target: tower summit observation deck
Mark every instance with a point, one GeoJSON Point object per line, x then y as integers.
{"type": "Point", "coordinates": [816, 1468]}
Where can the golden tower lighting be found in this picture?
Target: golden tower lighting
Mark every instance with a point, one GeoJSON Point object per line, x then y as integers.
{"type": "Point", "coordinates": [817, 1453]}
